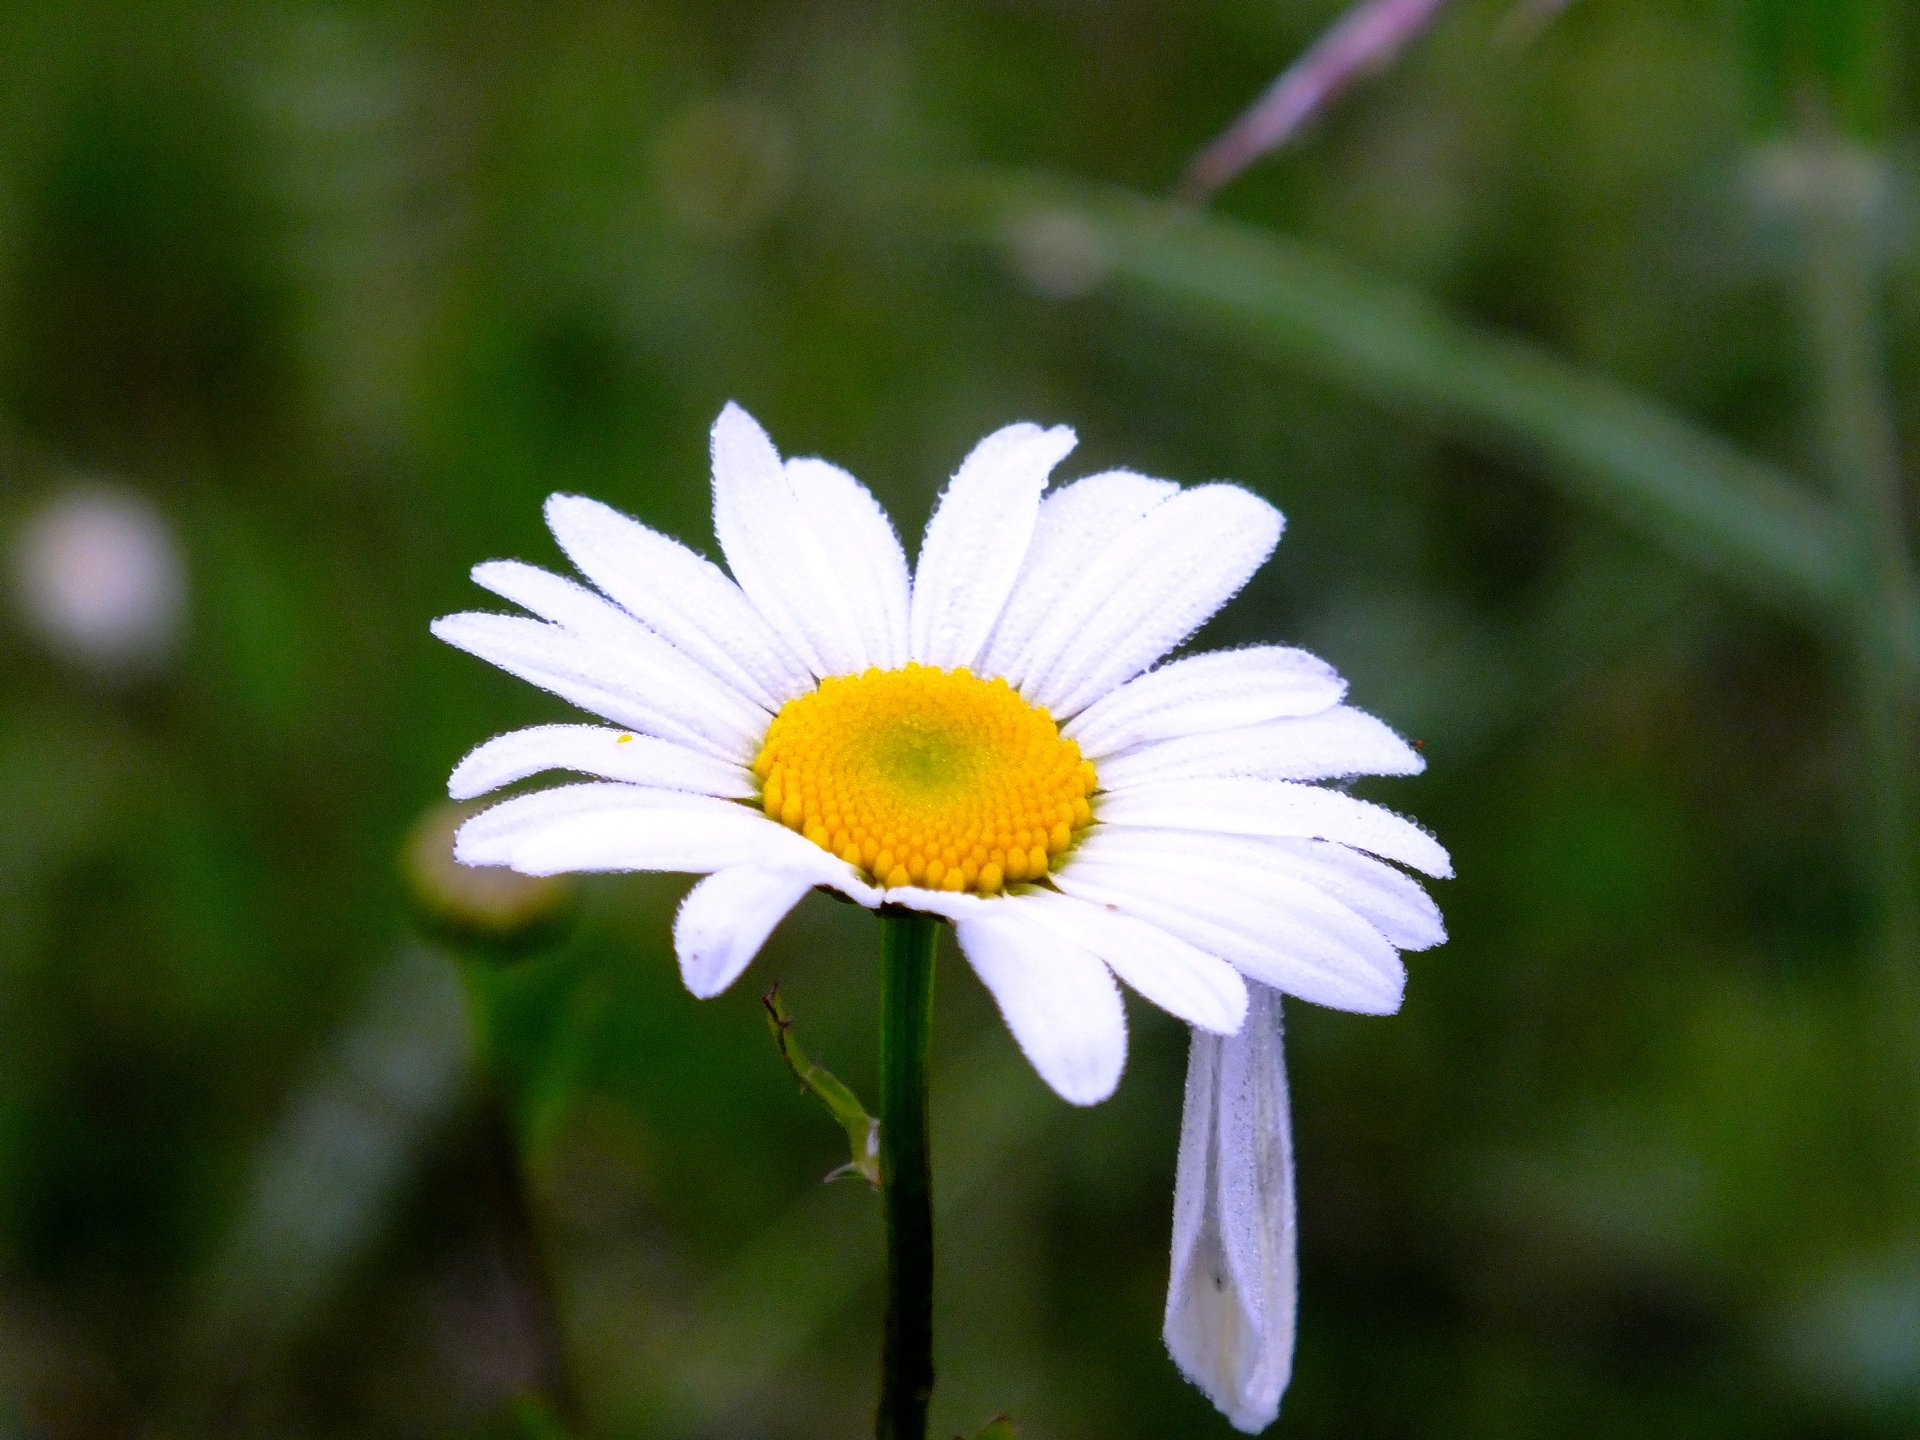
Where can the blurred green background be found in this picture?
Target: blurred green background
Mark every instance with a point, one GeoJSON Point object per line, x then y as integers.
{"type": "Point", "coordinates": [339, 292]}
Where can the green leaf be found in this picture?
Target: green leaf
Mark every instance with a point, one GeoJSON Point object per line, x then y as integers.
{"type": "Point", "coordinates": [1667, 478]}
{"type": "Point", "coordinates": [863, 1131]}
{"type": "Point", "coordinates": [1001, 1427]}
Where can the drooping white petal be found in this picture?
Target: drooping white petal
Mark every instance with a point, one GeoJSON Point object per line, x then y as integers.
{"type": "Point", "coordinates": [1075, 523]}
{"type": "Point", "coordinates": [1233, 1292]}
{"type": "Point", "coordinates": [1219, 690]}
{"type": "Point", "coordinates": [581, 612]}
{"type": "Point", "coordinates": [863, 555]}
{"type": "Point", "coordinates": [612, 683]}
{"type": "Point", "coordinates": [1058, 999]}
{"type": "Point", "coordinates": [596, 750]}
{"type": "Point", "coordinates": [630, 827]}
{"type": "Point", "coordinates": [1146, 592]}
{"type": "Point", "coordinates": [1185, 981]}
{"type": "Point", "coordinates": [1272, 927]}
{"type": "Point", "coordinates": [774, 551]}
{"type": "Point", "coordinates": [726, 918]}
{"type": "Point", "coordinates": [976, 541]}
{"type": "Point", "coordinates": [1333, 744]}
{"type": "Point", "coordinates": [1194, 1193]}
{"type": "Point", "coordinates": [684, 598]}
{"type": "Point", "coordinates": [1276, 807]}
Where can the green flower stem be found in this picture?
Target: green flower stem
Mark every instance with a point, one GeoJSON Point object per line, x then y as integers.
{"type": "Point", "coordinates": [907, 944]}
{"type": "Point", "coordinates": [1863, 461]}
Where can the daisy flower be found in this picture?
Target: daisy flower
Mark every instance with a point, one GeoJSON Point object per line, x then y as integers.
{"type": "Point", "coordinates": [994, 737]}
{"type": "Point", "coordinates": [986, 739]}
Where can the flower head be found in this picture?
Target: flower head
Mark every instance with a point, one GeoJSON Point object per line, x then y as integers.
{"type": "Point", "coordinates": [986, 738]}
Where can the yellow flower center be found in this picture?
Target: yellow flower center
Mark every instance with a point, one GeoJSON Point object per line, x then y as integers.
{"type": "Point", "coordinates": [926, 777]}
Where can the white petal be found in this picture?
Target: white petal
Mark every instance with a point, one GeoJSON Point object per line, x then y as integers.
{"type": "Point", "coordinates": [1267, 869]}
{"type": "Point", "coordinates": [634, 828]}
{"type": "Point", "coordinates": [1253, 1160]}
{"type": "Point", "coordinates": [1194, 1194]}
{"type": "Point", "coordinates": [773, 550]}
{"type": "Point", "coordinates": [863, 554]}
{"type": "Point", "coordinates": [1276, 807]}
{"type": "Point", "coordinates": [726, 918]}
{"type": "Point", "coordinates": [1146, 592]}
{"type": "Point", "coordinates": [612, 683]}
{"type": "Point", "coordinates": [1220, 690]}
{"type": "Point", "coordinates": [1075, 523]}
{"type": "Point", "coordinates": [631, 827]}
{"type": "Point", "coordinates": [1058, 999]}
{"type": "Point", "coordinates": [955, 905]}
{"type": "Point", "coordinates": [1390, 901]}
{"type": "Point", "coordinates": [574, 607]}
{"type": "Point", "coordinates": [1273, 928]}
{"type": "Point", "coordinates": [1201, 989]}
{"type": "Point", "coordinates": [1233, 1295]}
{"type": "Point", "coordinates": [976, 541]}
{"type": "Point", "coordinates": [596, 750]}
{"type": "Point", "coordinates": [1387, 899]}
{"type": "Point", "coordinates": [684, 598]}
{"type": "Point", "coordinates": [578, 610]}
{"type": "Point", "coordinates": [1335, 743]}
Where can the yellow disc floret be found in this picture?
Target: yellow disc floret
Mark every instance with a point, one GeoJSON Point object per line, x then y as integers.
{"type": "Point", "coordinates": [926, 777]}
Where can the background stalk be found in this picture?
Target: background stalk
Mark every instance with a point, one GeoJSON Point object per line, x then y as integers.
{"type": "Point", "coordinates": [1862, 458]}
{"type": "Point", "coordinates": [907, 944]}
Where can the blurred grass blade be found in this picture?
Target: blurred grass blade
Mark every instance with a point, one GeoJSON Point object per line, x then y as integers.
{"type": "Point", "coordinates": [328, 1175]}
{"type": "Point", "coordinates": [1665, 477]}
{"type": "Point", "coordinates": [863, 1131]}
{"type": "Point", "coordinates": [1843, 301]}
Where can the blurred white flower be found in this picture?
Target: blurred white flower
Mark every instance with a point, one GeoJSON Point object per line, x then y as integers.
{"type": "Point", "coordinates": [97, 575]}
{"type": "Point", "coordinates": [1232, 1293]}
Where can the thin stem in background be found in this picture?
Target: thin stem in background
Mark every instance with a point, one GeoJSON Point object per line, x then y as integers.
{"type": "Point", "coordinates": [1862, 455]}
{"type": "Point", "coordinates": [520, 1252]}
{"type": "Point", "coordinates": [907, 944]}
{"type": "Point", "coordinates": [549, 1399]}
{"type": "Point", "coordinates": [1366, 38]}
